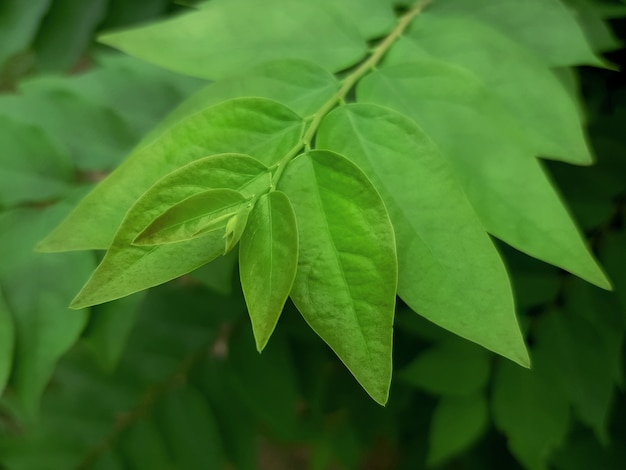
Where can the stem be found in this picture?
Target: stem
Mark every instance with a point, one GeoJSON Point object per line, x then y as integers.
{"type": "Point", "coordinates": [348, 83]}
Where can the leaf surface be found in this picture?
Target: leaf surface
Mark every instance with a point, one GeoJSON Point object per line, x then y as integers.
{"type": "Point", "coordinates": [457, 423]}
{"type": "Point", "coordinates": [449, 270]}
{"type": "Point", "coordinates": [128, 268]}
{"type": "Point", "coordinates": [18, 24]}
{"type": "Point", "coordinates": [347, 271]}
{"type": "Point", "coordinates": [506, 185]}
{"type": "Point", "coordinates": [7, 341]}
{"type": "Point", "coordinates": [229, 35]}
{"type": "Point", "coordinates": [259, 127]}
{"type": "Point", "coordinates": [268, 259]}
{"type": "Point", "coordinates": [192, 217]}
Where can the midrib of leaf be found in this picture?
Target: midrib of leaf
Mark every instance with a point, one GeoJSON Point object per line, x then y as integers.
{"type": "Point", "coordinates": [348, 84]}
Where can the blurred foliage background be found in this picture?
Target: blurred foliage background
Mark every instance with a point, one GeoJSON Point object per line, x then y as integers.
{"type": "Point", "coordinates": [171, 378]}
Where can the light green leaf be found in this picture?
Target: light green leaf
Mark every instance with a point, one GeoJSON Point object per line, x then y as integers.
{"type": "Point", "coordinates": [457, 423]}
{"type": "Point", "coordinates": [38, 298]}
{"type": "Point", "coordinates": [532, 413]}
{"type": "Point", "coordinates": [555, 36]}
{"type": "Point", "coordinates": [347, 271]}
{"type": "Point", "coordinates": [255, 126]}
{"type": "Point", "coordinates": [230, 35]}
{"type": "Point", "coordinates": [32, 167]}
{"type": "Point", "coordinates": [300, 85]}
{"type": "Point", "coordinates": [449, 270]}
{"type": "Point", "coordinates": [128, 268]}
{"type": "Point", "coordinates": [192, 217]}
{"type": "Point", "coordinates": [109, 327]}
{"type": "Point", "coordinates": [451, 368]}
{"type": "Point", "coordinates": [235, 227]}
{"type": "Point", "coordinates": [7, 341]}
{"type": "Point", "coordinates": [525, 84]}
{"type": "Point", "coordinates": [504, 182]}
{"type": "Point", "coordinates": [374, 18]}
{"type": "Point", "coordinates": [268, 259]}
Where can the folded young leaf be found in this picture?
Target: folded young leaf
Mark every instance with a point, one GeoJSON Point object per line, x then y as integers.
{"type": "Point", "coordinates": [129, 268]}
{"type": "Point", "coordinates": [449, 270]}
{"type": "Point", "coordinates": [346, 281]}
{"type": "Point", "coordinates": [230, 35]}
{"type": "Point", "coordinates": [193, 217]}
{"type": "Point", "coordinates": [526, 85]}
{"type": "Point", "coordinates": [259, 127]}
{"type": "Point", "coordinates": [268, 258]}
{"type": "Point", "coordinates": [502, 179]}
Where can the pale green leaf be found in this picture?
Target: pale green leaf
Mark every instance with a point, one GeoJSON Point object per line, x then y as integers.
{"type": "Point", "coordinates": [268, 259]}
{"type": "Point", "coordinates": [235, 227]}
{"type": "Point", "coordinates": [347, 271]}
{"type": "Point", "coordinates": [7, 341]}
{"type": "Point", "coordinates": [525, 84]}
{"type": "Point", "coordinates": [451, 368]}
{"type": "Point", "coordinates": [374, 18]}
{"type": "Point", "coordinates": [300, 85]}
{"type": "Point", "coordinates": [32, 167]}
{"type": "Point", "coordinates": [504, 182]}
{"type": "Point", "coordinates": [230, 35]}
{"type": "Point", "coordinates": [546, 27]}
{"type": "Point", "coordinates": [193, 217]}
{"type": "Point", "coordinates": [449, 270]}
{"type": "Point", "coordinates": [128, 268]}
{"type": "Point", "coordinates": [457, 423]}
{"type": "Point", "coordinates": [38, 297]}
{"type": "Point", "coordinates": [531, 412]}
{"type": "Point", "coordinates": [259, 127]}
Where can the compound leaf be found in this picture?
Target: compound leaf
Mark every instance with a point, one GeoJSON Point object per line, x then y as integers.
{"type": "Point", "coordinates": [449, 270]}
{"type": "Point", "coordinates": [347, 271]}
{"type": "Point", "coordinates": [254, 126]}
{"type": "Point", "coordinates": [268, 259]}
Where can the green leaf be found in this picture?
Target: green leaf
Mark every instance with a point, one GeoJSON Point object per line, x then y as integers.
{"type": "Point", "coordinates": [128, 268]}
{"type": "Point", "coordinates": [449, 270]}
{"type": "Point", "coordinates": [457, 423]}
{"type": "Point", "coordinates": [300, 85]}
{"type": "Point", "coordinates": [109, 327]}
{"type": "Point", "coordinates": [258, 127]}
{"type": "Point", "coordinates": [7, 341]}
{"type": "Point", "coordinates": [347, 271]}
{"type": "Point", "coordinates": [504, 182]}
{"type": "Point", "coordinates": [229, 35]}
{"type": "Point", "coordinates": [192, 217]}
{"type": "Point", "coordinates": [18, 24]}
{"type": "Point", "coordinates": [374, 18]}
{"type": "Point", "coordinates": [235, 227]}
{"type": "Point", "coordinates": [545, 108]}
{"type": "Point", "coordinates": [555, 35]}
{"type": "Point", "coordinates": [143, 435]}
{"type": "Point", "coordinates": [38, 297]}
{"type": "Point", "coordinates": [453, 367]}
{"type": "Point", "coordinates": [532, 413]}
{"type": "Point", "coordinates": [32, 167]}
{"type": "Point", "coordinates": [268, 259]}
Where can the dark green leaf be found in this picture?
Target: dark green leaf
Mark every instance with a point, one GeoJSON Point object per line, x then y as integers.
{"type": "Point", "coordinates": [18, 23]}
{"type": "Point", "coordinates": [7, 341]}
{"type": "Point", "coordinates": [268, 259]}
{"type": "Point", "coordinates": [347, 271]}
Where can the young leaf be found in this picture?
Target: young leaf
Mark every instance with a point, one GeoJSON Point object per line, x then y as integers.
{"type": "Point", "coordinates": [128, 268]}
{"type": "Point", "coordinates": [193, 217]}
{"type": "Point", "coordinates": [7, 341]}
{"type": "Point", "coordinates": [347, 271]}
{"type": "Point", "coordinates": [268, 258]}
{"type": "Point", "coordinates": [449, 270]}
{"type": "Point", "coordinates": [457, 423]}
{"type": "Point", "coordinates": [258, 127]}
{"type": "Point", "coordinates": [229, 35]}
{"type": "Point", "coordinates": [235, 227]}
{"type": "Point", "coordinates": [504, 182]}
